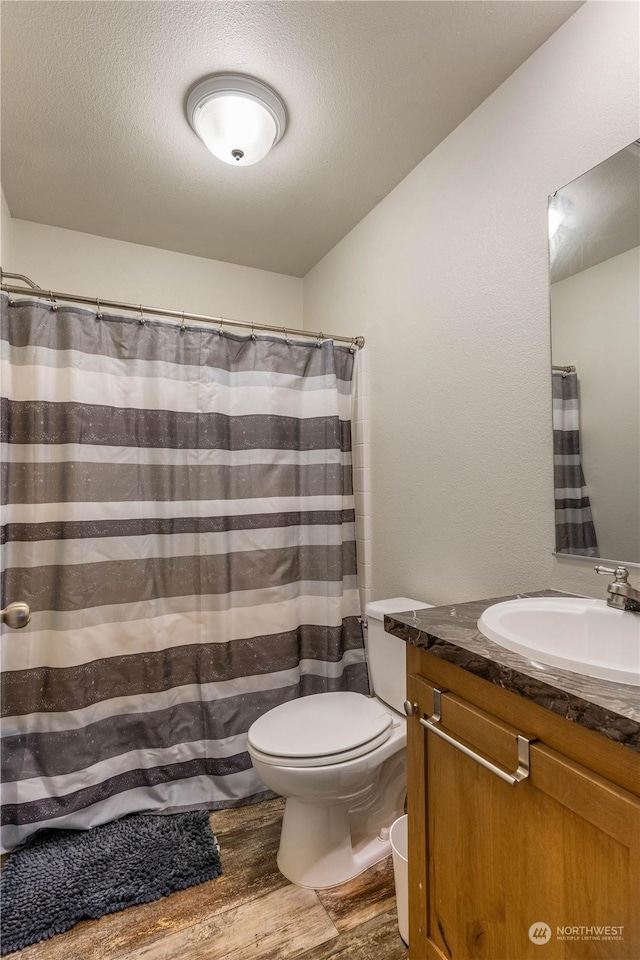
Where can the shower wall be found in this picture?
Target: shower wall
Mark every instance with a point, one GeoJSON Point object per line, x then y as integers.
{"type": "Point", "coordinates": [361, 452]}
{"type": "Point", "coordinates": [6, 238]}
{"type": "Point", "coordinates": [75, 262]}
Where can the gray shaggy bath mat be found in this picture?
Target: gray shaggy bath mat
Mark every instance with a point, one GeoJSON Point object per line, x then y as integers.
{"type": "Point", "coordinates": [63, 876]}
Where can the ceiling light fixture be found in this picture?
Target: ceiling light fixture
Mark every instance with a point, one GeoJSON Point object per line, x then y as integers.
{"type": "Point", "coordinates": [238, 118]}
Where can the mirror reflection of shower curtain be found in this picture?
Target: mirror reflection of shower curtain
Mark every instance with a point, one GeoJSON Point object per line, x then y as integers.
{"type": "Point", "coordinates": [179, 514]}
{"type": "Point", "coordinates": [575, 532]}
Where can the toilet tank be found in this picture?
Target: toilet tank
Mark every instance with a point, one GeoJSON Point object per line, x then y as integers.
{"type": "Point", "coordinates": [387, 655]}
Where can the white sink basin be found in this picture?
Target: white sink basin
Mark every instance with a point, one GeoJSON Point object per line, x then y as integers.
{"type": "Point", "coordinates": [585, 636]}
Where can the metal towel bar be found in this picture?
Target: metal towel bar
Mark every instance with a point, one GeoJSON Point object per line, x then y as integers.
{"type": "Point", "coordinates": [522, 772]}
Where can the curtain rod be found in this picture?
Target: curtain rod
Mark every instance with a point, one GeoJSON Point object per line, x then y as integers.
{"type": "Point", "coordinates": [54, 295]}
{"type": "Point", "coordinates": [569, 369]}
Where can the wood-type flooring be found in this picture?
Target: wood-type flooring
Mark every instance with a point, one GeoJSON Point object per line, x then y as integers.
{"type": "Point", "coordinates": [250, 913]}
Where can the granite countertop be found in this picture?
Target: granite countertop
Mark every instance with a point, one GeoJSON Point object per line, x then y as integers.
{"type": "Point", "coordinates": [451, 633]}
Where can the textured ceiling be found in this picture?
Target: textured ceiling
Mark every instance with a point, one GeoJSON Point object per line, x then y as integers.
{"type": "Point", "coordinates": [600, 215]}
{"type": "Point", "coordinates": [94, 136]}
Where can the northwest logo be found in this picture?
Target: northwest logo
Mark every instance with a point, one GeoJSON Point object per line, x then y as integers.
{"type": "Point", "coordinates": [539, 932]}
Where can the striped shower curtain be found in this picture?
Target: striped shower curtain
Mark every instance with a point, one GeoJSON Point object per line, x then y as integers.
{"type": "Point", "coordinates": [178, 512]}
{"type": "Point", "coordinates": [575, 532]}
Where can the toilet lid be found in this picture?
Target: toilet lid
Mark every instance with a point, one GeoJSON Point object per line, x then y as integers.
{"type": "Point", "coordinates": [322, 725]}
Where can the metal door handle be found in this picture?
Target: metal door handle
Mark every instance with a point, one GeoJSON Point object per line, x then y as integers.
{"type": "Point", "coordinates": [522, 771]}
{"type": "Point", "coordinates": [16, 615]}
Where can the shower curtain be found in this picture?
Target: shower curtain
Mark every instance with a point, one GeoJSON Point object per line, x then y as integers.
{"type": "Point", "coordinates": [178, 511]}
{"type": "Point", "coordinates": [575, 532]}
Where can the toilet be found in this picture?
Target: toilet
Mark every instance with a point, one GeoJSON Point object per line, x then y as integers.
{"type": "Point", "coordinates": [339, 759]}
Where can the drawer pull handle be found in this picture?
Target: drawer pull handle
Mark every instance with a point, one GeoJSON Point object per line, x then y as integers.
{"type": "Point", "coordinates": [523, 747]}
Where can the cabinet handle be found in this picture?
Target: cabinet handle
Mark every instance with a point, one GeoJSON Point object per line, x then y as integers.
{"type": "Point", "coordinates": [523, 747]}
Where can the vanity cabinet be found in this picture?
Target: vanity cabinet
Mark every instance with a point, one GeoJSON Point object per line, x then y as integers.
{"type": "Point", "coordinates": [490, 859]}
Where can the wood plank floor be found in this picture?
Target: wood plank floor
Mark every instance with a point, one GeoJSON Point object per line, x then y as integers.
{"type": "Point", "coordinates": [250, 913]}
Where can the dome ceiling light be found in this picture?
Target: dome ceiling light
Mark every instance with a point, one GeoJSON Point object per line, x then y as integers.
{"type": "Point", "coordinates": [238, 118]}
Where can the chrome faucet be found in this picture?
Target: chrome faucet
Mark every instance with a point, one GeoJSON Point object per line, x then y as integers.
{"type": "Point", "coordinates": [621, 595]}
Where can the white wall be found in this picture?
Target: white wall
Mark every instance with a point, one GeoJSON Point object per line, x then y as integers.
{"type": "Point", "coordinates": [361, 453]}
{"type": "Point", "coordinates": [596, 326]}
{"type": "Point", "coordinates": [6, 233]}
{"type": "Point", "coordinates": [447, 279]}
{"type": "Point", "coordinates": [73, 262]}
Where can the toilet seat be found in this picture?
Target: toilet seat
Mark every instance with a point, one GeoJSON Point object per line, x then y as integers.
{"type": "Point", "coordinates": [320, 730]}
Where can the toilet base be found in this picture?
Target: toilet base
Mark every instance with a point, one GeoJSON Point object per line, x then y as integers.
{"type": "Point", "coordinates": [315, 846]}
{"type": "Point", "coordinates": [326, 844]}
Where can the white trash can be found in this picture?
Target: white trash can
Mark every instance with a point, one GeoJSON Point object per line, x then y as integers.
{"type": "Point", "coordinates": [400, 849]}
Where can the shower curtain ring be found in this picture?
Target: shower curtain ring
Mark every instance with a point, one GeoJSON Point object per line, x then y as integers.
{"type": "Point", "coordinates": [54, 305]}
{"type": "Point", "coordinates": [352, 348]}
{"type": "Point", "coordinates": [286, 336]}
{"type": "Point", "coordinates": [320, 339]}
{"type": "Point", "coordinates": [220, 330]}
{"type": "Point", "coordinates": [98, 310]}
{"type": "Point", "coordinates": [253, 332]}
{"type": "Point", "coordinates": [182, 325]}
{"type": "Point", "coordinates": [142, 319]}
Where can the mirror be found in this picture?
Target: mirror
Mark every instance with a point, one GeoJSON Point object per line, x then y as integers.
{"type": "Point", "coordinates": [594, 256]}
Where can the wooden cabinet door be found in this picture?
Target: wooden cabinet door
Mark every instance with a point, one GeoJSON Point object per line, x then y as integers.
{"type": "Point", "coordinates": [558, 850]}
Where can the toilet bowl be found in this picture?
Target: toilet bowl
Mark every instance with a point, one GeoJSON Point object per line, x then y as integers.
{"type": "Point", "coordinates": [339, 759]}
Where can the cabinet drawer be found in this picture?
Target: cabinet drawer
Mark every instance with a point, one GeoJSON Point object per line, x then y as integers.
{"type": "Point", "coordinates": [490, 738]}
